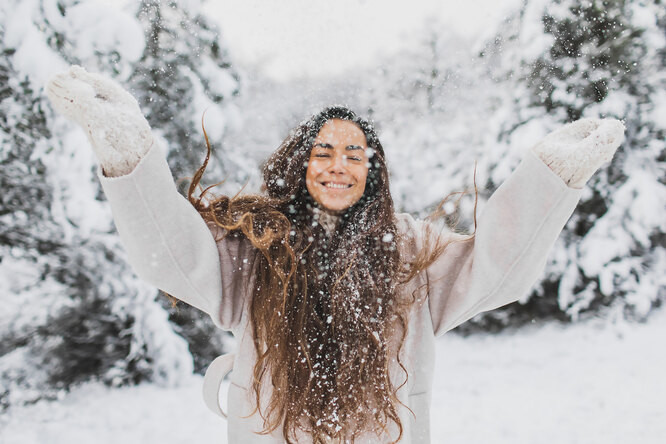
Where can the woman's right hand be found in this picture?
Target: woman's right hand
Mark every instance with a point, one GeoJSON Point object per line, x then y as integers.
{"type": "Point", "coordinates": [109, 115]}
{"type": "Point", "coordinates": [577, 150]}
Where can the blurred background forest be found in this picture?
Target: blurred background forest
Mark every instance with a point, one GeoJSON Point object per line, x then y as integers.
{"type": "Point", "coordinates": [73, 311]}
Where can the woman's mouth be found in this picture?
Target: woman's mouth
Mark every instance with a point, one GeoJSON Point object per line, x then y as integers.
{"type": "Point", "coordinates": [336, 185]}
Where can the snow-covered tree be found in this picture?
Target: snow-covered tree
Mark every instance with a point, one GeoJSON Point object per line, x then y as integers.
{"type": "Point", "coordinates": [184, 72]}
{"type": "Point", "coordinates": [72, 308]}
{"type": "Point", "coordinates": [597, 59]}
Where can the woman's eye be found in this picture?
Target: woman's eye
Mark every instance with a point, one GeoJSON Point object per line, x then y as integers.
{"type": "Point", "coordinates": [357, 159]}
{"type": "Point", "coordinates": [322, 155]}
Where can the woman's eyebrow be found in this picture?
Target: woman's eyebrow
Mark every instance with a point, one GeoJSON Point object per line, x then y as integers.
{"type": "Point", "coordinates": [330, 147]}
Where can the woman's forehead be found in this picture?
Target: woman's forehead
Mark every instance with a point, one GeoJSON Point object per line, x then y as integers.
{"type": "Point", "coordinates": [341, 131]}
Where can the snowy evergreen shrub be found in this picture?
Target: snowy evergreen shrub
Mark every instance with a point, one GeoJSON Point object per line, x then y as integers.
{"type": "Point", "coordinates": [184, 72]}
{"type": "Point", "coordinates": [595, 50]}
{"type": "Point", "coordinates": [592, 59]}
{"type": "Point", "coordinates": [54, 284]}
{"type": "Point", "coordinates": [72, 308]}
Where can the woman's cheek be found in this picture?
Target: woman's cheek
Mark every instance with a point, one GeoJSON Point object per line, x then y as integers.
{"type": "Point", "coordinates": [318, 167]}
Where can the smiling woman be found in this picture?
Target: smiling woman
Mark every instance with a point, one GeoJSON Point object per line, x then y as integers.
{"type": "Point", "coordinates": [338, 166]}
{"type": "Point", "coordinates": [335, 321]}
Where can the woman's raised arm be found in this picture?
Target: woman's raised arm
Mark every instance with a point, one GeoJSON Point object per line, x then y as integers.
{"type": "Point", "coordinates": [167, 242]}
{"type": "Point", "coordinates": [519, 224]}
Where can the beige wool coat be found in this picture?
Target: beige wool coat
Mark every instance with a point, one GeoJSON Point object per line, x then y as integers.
{"type": "Point", "coordinates": [170, 246]}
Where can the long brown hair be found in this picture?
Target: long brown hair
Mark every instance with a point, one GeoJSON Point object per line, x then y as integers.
{"type": "Point", "coordinates": [327, 314]}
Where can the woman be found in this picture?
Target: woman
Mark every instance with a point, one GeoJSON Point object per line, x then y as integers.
{"type": "Point", "coordinates": [334, 298]}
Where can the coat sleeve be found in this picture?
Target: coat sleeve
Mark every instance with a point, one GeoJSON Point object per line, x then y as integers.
{"type": "Point", "coordinates": [170, 246]}
{"type": "Point", "coordinates": [515, 232]}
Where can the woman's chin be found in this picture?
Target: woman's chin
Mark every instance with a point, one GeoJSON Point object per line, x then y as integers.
{"type": "Point", "coordinates": [334, 206]}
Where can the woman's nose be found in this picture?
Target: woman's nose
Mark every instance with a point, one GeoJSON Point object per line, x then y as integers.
{"type": "Point", "coordinates": [339, 163]}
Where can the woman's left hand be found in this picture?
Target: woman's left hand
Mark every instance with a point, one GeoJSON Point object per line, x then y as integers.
{"type": "Point", "coordinates": [575, 151]}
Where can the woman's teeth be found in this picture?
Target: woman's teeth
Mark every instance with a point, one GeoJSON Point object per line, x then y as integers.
{"type": "Point", "coordinates": [336, 185]}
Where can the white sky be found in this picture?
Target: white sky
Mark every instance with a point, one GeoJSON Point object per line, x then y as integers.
{"type": "Point", "coordinates": [290, 38]}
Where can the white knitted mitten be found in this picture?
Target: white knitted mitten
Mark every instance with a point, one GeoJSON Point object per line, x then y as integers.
{"type": "Point", "coordinates": [575, 151]}
{"type": "Point", "coordinates": [110, 116]}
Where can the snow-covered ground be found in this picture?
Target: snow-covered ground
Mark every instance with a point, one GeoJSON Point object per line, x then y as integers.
{"type": "Point", "coordinates": [585, 383]}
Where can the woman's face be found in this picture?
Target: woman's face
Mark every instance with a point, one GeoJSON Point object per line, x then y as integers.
{"type": "Point", "coordinates": [337, 168]}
